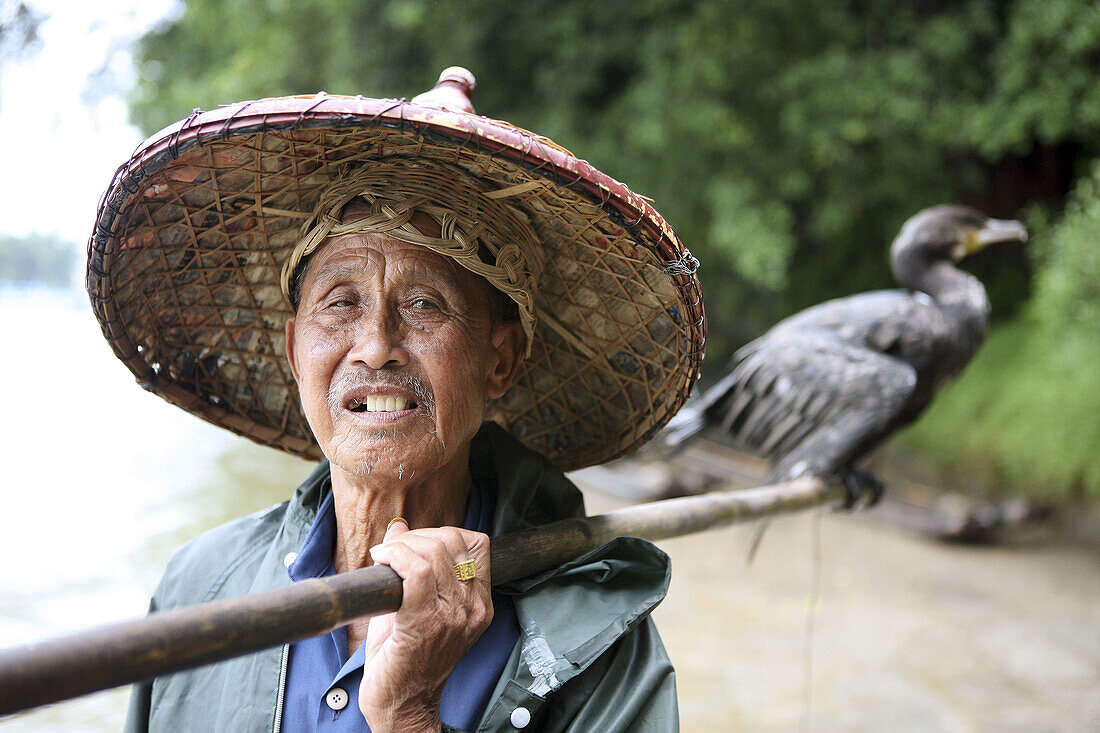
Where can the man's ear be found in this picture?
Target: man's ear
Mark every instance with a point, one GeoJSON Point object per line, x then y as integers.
{"type": "Point", "coordinates": [508, 342]}
{"type": "Point", "coordinates": [290, 357]}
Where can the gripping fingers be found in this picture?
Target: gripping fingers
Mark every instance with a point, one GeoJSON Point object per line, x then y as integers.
{"type": "Point", "coordinates": [426, 559]}
{"type": "Point", "coordinates": [418, 565]}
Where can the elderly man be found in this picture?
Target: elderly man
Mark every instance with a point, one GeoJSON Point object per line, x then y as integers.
{"type": "Point", "coordinates": [397, 352]}
{"type": "Point", "coordinates": [437, 291]}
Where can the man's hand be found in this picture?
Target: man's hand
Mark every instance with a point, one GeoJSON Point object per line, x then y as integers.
{"type": "Point", "coordinates": [411, 653]}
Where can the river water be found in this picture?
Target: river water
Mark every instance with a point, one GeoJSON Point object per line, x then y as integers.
{"type": "Point", "coordinates": [103, 480]}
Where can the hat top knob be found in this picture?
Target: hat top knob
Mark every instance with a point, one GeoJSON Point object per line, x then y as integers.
{"type": "Point", "coordinates": [452, 91]}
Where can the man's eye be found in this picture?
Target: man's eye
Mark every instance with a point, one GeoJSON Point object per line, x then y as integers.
{"type": "Point", "coordinates": [424, 304]}
{"type": "Point", "coordinates": [342, 303]}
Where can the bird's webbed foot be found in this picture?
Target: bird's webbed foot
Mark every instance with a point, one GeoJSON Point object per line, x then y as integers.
{"type": "Point", "coordinates": [860, 486]}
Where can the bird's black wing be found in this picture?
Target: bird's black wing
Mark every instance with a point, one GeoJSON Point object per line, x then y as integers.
{"type": "Point", "coordinates": [901, 323]}
{"type": "Point", "coordinates": [807, 400]}
{"type": "Point", "coordinates": [823, 348]}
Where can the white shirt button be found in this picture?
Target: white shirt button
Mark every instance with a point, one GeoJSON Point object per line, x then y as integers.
{"type": "Point", "coordinates": [520, 717]}
{"type": "Point", "coordinates": [290, 558]}
{"type": "Point", "coordinates": [336, 698]}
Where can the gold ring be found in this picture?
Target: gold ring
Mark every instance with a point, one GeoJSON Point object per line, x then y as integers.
{"type": "Point", "coordinates": [465, 570]}
{"type": "Point", "coordinates": [395, 520]}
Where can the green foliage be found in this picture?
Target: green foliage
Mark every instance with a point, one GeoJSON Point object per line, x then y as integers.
{"type": "Point", "coordinates": [1068, 287]}
{"type": "Point", "coordinates": [742, 215]}
{"type": "Point", "coordinates": [786, 142]}
{"type": "Point", "coordinates": [36, 258]}
{"type": "Point", "coordinates": [1023, 418]}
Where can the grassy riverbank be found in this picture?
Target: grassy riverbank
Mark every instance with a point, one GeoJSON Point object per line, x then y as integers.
{"type": "Point", "coordinates": [1024, 418]}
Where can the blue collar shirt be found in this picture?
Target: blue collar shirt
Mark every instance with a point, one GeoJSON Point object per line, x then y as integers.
{"type": "Point", "coordinates": [322, 683]}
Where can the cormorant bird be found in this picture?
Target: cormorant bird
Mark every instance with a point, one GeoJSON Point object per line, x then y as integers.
{"type": "Point", "coordinates": [826, 385]}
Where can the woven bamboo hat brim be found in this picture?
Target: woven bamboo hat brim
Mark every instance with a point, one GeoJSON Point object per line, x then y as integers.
{"type": "Point", "coordinates": [184, 269]}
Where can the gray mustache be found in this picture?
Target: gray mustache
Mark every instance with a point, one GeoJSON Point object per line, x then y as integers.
{"type": "Point", "coordinates": [350, 379]}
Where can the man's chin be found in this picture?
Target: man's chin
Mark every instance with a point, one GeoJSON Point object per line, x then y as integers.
{"type": "Point", "coordinates": [368, 444]}
{"type": "Point", "coordinates": [393, 452]}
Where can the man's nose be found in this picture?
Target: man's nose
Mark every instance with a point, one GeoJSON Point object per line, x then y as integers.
{"type": "Point", "coordinates": [379, 340]}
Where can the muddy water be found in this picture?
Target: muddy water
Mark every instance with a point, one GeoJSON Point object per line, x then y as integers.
{"type": "Point", "coordinates": [104, 480]}
{"type": "Point", "coordinates": [842, 625]}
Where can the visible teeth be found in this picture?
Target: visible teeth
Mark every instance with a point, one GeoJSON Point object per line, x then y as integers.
{"type": "Point", "coordinates": [375, 403]}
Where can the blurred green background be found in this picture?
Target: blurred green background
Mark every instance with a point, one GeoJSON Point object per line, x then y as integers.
{"type": "Point", "coordinates": [786, 143]}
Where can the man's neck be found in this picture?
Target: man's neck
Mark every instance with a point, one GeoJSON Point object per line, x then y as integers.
{"type": "Point", "coordinates": [365, 505]}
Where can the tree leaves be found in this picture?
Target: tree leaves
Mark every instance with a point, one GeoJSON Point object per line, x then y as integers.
{"type": "Point", "coordinates": [786, 142]}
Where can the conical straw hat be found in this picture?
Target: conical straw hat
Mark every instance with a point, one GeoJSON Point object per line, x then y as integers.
{"type": "Point", "coordinates": [190, 238]}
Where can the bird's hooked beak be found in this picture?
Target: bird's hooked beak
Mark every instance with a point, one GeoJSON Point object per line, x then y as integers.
{"type": "Point", "coordinates": [993, 231]}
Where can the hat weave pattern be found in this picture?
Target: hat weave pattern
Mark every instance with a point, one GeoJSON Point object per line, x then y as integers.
{"type": "Point", "coordinates": [186, 260]}
{"type": "Point", "coordinates": [467, 216]}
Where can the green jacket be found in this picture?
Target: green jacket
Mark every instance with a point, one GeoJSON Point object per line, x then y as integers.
{"type": "Point", "coordinates": [588, 658]}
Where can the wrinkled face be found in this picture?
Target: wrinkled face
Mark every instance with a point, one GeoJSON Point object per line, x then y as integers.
{"type": "Point", "coordinates": [395, 356]}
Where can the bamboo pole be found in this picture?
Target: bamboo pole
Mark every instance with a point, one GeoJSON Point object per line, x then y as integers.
{"type": "Point", "coordinates": [171, 641]}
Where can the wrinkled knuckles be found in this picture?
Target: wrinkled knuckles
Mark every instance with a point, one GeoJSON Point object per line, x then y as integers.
{"type": "Point", "coordinates": [453, 536]}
